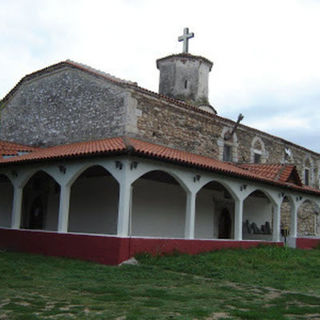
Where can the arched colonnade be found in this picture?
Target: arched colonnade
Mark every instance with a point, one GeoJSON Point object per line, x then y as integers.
{"type": "Point", "coordinates": [143, 198]}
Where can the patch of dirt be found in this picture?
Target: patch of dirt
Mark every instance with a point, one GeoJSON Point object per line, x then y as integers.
{"type": "Point", "coordinates": [218, 315]}
{"type": "Point", "coordinates": [4, 302]}
{"type": "Point", "coordinates": [272, 294]}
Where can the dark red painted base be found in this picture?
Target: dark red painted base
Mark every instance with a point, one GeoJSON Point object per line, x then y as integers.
{"type": "Point", "coordinates": [107, 250]}
{"type": "Point", "coordinates": [307, 243]}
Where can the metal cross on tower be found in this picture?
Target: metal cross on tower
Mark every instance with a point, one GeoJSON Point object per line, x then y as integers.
{"type": "Point", "coordinates": [185, 38]}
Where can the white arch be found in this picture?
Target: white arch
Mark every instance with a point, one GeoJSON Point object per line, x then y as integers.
{"type": "Point", "coordinates": [30, 173]}
{"type": "Point", "coordinates": [86, 166]}
{"type": "Point", "coordinates": [168, 171]}
{"type": "Point", "coordinates": [225, 184]}
{"type": "Point", "coordinates": [265, 192]}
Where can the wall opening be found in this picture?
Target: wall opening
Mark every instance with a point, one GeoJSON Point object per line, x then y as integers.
{"type": "Point", "coordinates": [40, 204]}
{"type": "Point", "coordinates": [257, 217]}
{"type": "Point", "coordinates": [158, 206]}
{"type": "Point", "coordinates": [212, 204]}
{"type": "Point", "coordinates": [94, 202]}
{"type": "Point", "coordinates": [6, 201]}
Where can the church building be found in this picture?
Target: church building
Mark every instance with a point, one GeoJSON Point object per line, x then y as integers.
{"type": "Point", "coordinates": [97, 168]}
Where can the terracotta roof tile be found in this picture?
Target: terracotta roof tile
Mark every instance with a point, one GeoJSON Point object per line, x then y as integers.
{"type": "Point", "coordinates": [270, 174]}
{"type": "Point", "coordinates": [70, 150]}
{"type": "Point", "coordinates": [13, 149]}
{"type": "Point", "coordinates": [277, 172]}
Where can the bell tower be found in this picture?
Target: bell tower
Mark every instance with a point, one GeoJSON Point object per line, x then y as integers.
{"type": "Point", "coordinates": [185, 77]}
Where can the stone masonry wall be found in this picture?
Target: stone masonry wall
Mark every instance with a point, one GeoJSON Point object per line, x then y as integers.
{"type": "Point", "coordinates": [200, 133]}
{"type": "Point", "coordinates": [63, 107]}
{"type": "Point", "coordinates": [177, 127]}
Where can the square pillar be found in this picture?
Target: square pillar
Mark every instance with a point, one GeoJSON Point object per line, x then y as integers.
{"type": "Point", "coordinates": [294, 222]}
{"type": "Point", "coordinates": [238, 217]}
{"type": "Point", "coordinates": [190, 215]}
{"type": "Point", "coordinates": [124, 207]}
{"type": "Point", "coordinates": [16, 208]}
{"type": "Point", "coordinates": [63, 219]}
{"type": "Point", "coordinates": [276, 223]}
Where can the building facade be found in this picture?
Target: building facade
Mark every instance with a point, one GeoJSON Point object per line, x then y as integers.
{"type": "Point", "coordinates": [98, 168]}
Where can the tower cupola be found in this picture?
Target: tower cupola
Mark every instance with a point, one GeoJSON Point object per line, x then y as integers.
{"type": "Point", "coordinates": [186, 77]}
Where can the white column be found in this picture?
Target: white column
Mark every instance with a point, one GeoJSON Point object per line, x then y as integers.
{"type": "Point", "coordinates": [190, 215]}
{"type": "Point", "coordinates": [63, 219]}
{"type": "Point", "coordinates": [238, 217]}
{"type": "Point", "coordinates": [124, 204]}
{"type": "Point", "coordinates": [276, 223]}
{"type": "Point", "coordinates": [16, 208]}
{"type": "Point", "coordinates": [294, 222]}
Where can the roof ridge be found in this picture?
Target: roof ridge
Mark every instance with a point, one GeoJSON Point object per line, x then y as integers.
{"type": "Point", "coordinates": [100, 72]}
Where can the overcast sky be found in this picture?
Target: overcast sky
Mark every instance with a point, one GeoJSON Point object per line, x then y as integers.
{"type": "Point", "coordinates": [266, 52]}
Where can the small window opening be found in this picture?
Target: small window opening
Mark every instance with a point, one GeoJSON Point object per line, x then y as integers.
{"type": "Point", "coordinates": [257, 158]}
{"type": "Point", "coordinates": [306, 177]}
{"type": "Point", "coordinates": [227, 156]}
{"type": "Point", "coordinates": [185, 84]}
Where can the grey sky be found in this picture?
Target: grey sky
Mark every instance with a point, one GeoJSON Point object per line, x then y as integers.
{"type": "Point", "coordinates": [265, 52]}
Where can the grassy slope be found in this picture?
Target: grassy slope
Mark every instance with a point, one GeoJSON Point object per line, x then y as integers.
{"type": "Point", "coordinates": [229, 284]}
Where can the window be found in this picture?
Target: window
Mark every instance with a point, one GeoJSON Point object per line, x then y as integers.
{"type": "Point", "coordinates": [227, 153]}
{"type": "Point", "coordinates": [257, 158]}
{"type": "Point", "coordinates": [306, 177]}
{"type": "Point", "coordinates": [228, 145]}
{"type": "Point", "coordinates": [258, 152]}
{"type": "Point", "coordinates": [307, 171]}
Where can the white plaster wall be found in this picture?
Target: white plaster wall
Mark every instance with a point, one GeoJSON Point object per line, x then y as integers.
{"type": "Point", "coordinates": [6, 199]}
{"type": "Point", "coordinates": [205, 210]}
{"type": "Point", "coordinates": [257, 210]}
{"type": "Point", "coordinates": [94, 205]}
{"type": "Point", "coordinates": [158, 209]}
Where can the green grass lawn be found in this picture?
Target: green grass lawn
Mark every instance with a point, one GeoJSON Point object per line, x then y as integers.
{"type": "Point", "coordinates": [263, 283]}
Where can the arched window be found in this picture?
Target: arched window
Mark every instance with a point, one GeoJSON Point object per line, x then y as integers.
{"type": "Point", "coordinates": [228, 146]}
{"type": "Point", "coordinates": [307, 173]}
{"type": "Point", "coordinates": [257, 151]}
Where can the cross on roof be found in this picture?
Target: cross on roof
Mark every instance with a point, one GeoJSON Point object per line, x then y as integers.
{"type": "Point", "coordinates": [185, 38]}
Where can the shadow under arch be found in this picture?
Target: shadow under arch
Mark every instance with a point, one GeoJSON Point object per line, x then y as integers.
{"type": "Point", "coordinates": [158, 206]}
{"type": "Point", "coordinates": [40, 202]}
{"type": "Point", "coordinates": [84, 168]}
{"type": "Point", "coordinates": [165, 171]}
{"type": "Point", "coordinates": [94, 199]}
{"type": "Point", "coordinates": [214, 216]}
{"type": "Point", "coordinates": [308, 218]}
{"type": "Point", "coordinates": [258, 211]}
{"type": "Point", "coordinates": [6, 201]}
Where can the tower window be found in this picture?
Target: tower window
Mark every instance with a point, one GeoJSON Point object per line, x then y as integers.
{"type": "Point", "coordinates": [185, 84]}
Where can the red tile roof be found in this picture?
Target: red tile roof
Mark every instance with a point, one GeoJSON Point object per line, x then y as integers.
{"type": "Point", "coordinates": [278, 172]}
{"type": "Point", "coordinates": [271, 174]}
{"type": "Point", "coordinates": [13, 149]}
{"type": "Point", "coordinates": [71, 150]}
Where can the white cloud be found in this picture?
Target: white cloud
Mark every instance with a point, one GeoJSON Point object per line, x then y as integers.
{"type": "Point", "coordinates": [266, 52]}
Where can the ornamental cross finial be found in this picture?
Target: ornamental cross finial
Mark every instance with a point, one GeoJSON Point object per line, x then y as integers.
{"type": "Point", "coordinates": [185, 38]}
